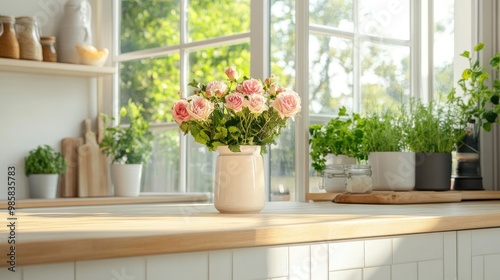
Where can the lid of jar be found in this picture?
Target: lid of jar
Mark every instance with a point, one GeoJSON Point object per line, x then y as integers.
{"type": "Point", "coordinates": [7, 19]}
{"type": "Point", "coordinates": [48, 39]}
{"type": "Point", "coordinates": [25, 19]}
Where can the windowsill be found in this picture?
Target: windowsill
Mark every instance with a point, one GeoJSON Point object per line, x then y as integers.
{"type": "Point", "coordinates": [109, 200]}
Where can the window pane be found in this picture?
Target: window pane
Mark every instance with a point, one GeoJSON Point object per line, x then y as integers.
{"type": "Point", "coordinates": [335, 13]}
{"type": "Point", "coordinates": [385, 76]}
{"type": "Point", "coordinates": [154, 83]}
{"type": "Point", "coordinates": [443, 47]}
{"type": "Point", "coordinates": [201, 167]}
{"type": "Point", "coordinates": [210, 19]}
{"type": "Point", "coordinates": [149, 24]}
{"type": "Point", "coordinates": [282, 155]}
{"type": "Point", "coordinates": [161, 174]}
{"type": "Point", "coordinates": [209, 64]}
{"type": "Point", "coordinates": [330, 74]}
{"type": "Point", "coordinates": [385, 18]}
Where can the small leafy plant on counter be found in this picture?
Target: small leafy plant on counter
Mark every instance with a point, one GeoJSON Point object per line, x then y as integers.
{"type": "Point", "coordinates": [44, 160]}
{"type": "Point", "coordinates": [340, 136]}
{"type": "Point", "coordinates": [383, 133]}
{"type": "Point", "coordinates": [130, 144]}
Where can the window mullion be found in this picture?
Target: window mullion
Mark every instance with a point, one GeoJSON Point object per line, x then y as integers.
{"type": "Point", "coordinates": [356, 88]}
{"type": "Point", "coordinates": [183, 149]}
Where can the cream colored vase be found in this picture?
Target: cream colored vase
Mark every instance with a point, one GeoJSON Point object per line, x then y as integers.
{"type": "Point", "coordinates": [126, 179]}
{"type": "Point", "coordinates": [239, 181]}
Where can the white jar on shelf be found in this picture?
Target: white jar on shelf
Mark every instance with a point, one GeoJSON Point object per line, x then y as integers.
{"type": "Point", "coordinates": [359, 178]}
{"type": "Point", "coordinates": [28, 38]}
{"type": "Point", "coordinates": [75, 28]}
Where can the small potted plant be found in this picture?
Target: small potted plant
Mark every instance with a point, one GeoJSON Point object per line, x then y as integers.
{"type": "Point", "coordinates": [393, 167]}
{"type": "Point", "coordinates": [333, 145]}
{"type": "Point", "coordinates": [129, 147]}
{"type": "Point", "coordinates": [43, 166]}
{"type": "Point", "coordinates": [432, 132]}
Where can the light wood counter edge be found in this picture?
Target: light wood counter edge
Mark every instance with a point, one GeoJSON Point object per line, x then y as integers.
{"type": "Point", "coordinates": [39, 252]}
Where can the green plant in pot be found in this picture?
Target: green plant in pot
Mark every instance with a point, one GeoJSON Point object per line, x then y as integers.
{"type": "Point", "coordinates": [393, 167]}
{"type": "Point", "coordinates": [43, 166]}
{"type": "Point", "coordinates": [479, 106]}
{"type": "Point", "coordinates": [334, 145]}
{"type": "Point", "coordinates": [432, 132]}
{"type": "Point", "coordinates": [129, 147]}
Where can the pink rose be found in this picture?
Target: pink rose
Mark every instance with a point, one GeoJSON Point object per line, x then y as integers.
{"type": "Point", "coordinates": [269, 80]}
{"type": "Point", "coordinates": [232, 74]}
{"type": "Point", "coordinates": [234, 101]}
{"type": "Point", "coordinates": [273, 89]}
{"type": "Point", "coordinates": [287, 103]}
{"type": "Point", "coordinates": [256, 103]}
{"type": "Point", "coordinates": [216, 88]}
{"type": "Point", "coordinates": [252, 86]}
{"type": "Point", "coordinates": [179, 111]}
{"type": "Point", "coordinates": [199, 108]}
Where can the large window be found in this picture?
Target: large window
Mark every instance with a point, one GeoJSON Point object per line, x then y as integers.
{"type": "Point", "coordinates": [366, 55]}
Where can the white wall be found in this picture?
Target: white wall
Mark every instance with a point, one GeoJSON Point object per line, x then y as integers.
{"type": "Point", "coordinates": [38, 109]}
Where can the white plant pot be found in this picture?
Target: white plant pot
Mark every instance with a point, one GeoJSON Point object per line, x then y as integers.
{"type": "Point", "coordinates": [43, 185]}
{"type": "Point", "coordinates": [392, 171]}
{"type": "Point", "coordinates": [339, 159]}
{"type": "Point", "coordinates": [126, 179]}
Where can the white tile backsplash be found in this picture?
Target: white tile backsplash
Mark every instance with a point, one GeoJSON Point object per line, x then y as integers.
{"type": "Point", "coordinates": [346, 255]}
{"type": "Point", "coordinates": [407, 271]}
{"type": "Point", "coordinates": [378, 252]}
{"type": "Point", "coordinates": [430, 270]}
{"type": "Point", "coordinates": [220, 265]}
{"type": "Point", "coordinates": [260, 262]}
{"type": "Point", "coordinates": [377, 273]}
{"type": "Point", "coordinates": [485, 241]}
{"type": "Point", "coordinates": [319, 261]}
{"type": "Point", "coordinates": [419, 247]}
{"type": "Point", "coordinates": [184, 266]}
{"type": "Point", "coordinates": [353, 274]}
{"type": "Point", "coordinates": [111, 269]}
{"type": "Point", "coordinates": [492, 267]}
{"type": "Point", "coordinates": [478, 268]}
{"type": "Point", "coordinates": [51, 271]}
{"type": "Point", "coordinates": [300, 262]}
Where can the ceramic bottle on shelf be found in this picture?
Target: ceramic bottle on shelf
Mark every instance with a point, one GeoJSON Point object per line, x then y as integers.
{"type": "Point", "coordinates": [75, 28]}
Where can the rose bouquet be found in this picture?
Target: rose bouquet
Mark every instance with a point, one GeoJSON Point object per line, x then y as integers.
{"type": "Point", "coordinates": [236, 112]}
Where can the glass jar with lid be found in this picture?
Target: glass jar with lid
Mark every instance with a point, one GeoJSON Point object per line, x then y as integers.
{"type": "Point", "coordinates": [9, 47]}
{"type": "Point", "coordinates": [333, 178]}
{"type": "Point", "coordinates": [28, 38]}
{"type": "Point", "coordinates": [358, 178]}
{"type": "Point", "coordinates": [49, 48]}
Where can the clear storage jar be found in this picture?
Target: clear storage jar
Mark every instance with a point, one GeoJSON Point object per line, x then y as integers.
{"type": "Point", "coordinates": [333, 178]}
{"type": "Point", "coordinates": [28, 38]}
{"type": "Point", "coordinates": [49, 48]}
{"type": "Point", "coordinates": [358, 178]}
{"type": "Point", "coordinates": [9, 46]}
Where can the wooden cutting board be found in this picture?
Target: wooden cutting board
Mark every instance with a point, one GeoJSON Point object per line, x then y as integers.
{"type": "Point", "coordinates": [93, 175]}
{"type": "Point", "coordinates": [415, 197]}
{"type": "Point", "coordinates": [69, 180]}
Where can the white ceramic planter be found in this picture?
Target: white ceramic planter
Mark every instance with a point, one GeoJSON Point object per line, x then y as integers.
{"type": "Point", "coordinates": [239, 181]}
{"type": "Point", "coordinates": [126, 179]}
{"type": "Point", "coordinates": [392, 171]}
{"type": "Point", "coordinates": [43, 185]}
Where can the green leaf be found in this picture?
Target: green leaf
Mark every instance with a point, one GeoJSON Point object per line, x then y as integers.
{"type": "Point", "coordinates": [487, 127]}
{"type": "Point", "coordinates": [479, 47]}
{"type": "Point", "coordinates": [494, 99]}
{"type": "Point", "coordinates": [466, 74]}
{"type": "Point", "coordinates": [465, 54]}
{"type": "Point", "coordinates": [490, 116]}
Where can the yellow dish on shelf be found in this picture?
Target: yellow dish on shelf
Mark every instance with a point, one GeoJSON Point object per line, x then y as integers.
{"type": "Point", "coordinates": [90, 55]}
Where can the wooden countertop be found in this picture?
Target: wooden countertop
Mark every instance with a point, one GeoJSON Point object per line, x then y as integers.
{"type": "Point", "coordinates": [61, 234]}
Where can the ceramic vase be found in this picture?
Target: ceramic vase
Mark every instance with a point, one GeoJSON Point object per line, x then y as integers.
{"type": "Point", "coordinates": [126, 179]}
{"type": "Point", "coordinates": [392, 171]}
{"type": "Point", "coordinates": [239, 180]}
{"type": "Point", "coordinates": [75, 28]}
{"type": "Point", "coordinates": [43, 185]}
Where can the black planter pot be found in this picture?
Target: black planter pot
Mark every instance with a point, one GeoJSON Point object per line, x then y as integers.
{"type": "Point", "coordinates": [433, 171]}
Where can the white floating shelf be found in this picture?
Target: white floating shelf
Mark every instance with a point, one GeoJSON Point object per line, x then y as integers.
{"type": "Point", "coordinates": [53, 68]}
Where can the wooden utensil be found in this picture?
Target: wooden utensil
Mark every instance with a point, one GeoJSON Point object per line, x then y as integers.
{"type": "Point", "coordinates": [69, 180]}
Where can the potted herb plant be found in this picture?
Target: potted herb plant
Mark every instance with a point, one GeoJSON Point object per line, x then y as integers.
{"type": "Point", "coordinates": [129, 147]}
{"type": "Point", "coordinates": [393, 167]}
{"type": "Point", "coordinates": [333, 145]}
{"type": "Point", "coordinates": [432, 132]}
{"type": "Point", "coordinates": [43, 166]}
{"type": "Point", "coordinates": [479, 106]}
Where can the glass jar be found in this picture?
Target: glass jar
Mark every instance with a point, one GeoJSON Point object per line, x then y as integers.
{"type": "Point", "coordinates": [49, 48]}
{"type": "Point", "coordinates": [333, 178]}
{"type": "Point", "coordinates": [9, 47]}
{"type": "Point", "coordinates": [28, 38]}
{"type": "Point", "coordinates": [359, 178]}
